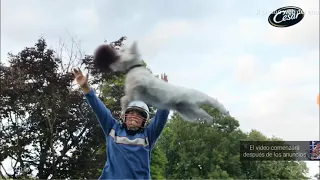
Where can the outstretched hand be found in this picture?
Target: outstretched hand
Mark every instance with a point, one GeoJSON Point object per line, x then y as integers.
{"type": "Point", "coordinates": [80, 78]}
{"type": "Point", "coordinates": [164, 77]}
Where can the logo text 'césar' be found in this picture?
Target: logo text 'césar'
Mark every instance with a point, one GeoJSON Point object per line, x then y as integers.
{"type": "Point", "coordinates": [286, 16]}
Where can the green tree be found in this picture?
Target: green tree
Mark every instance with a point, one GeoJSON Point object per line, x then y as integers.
{"type": "Point", "coordinates": [43, 120]}
{"type": "Point", "coordinates": [158, 163]}
{"type": "Point", "coordinates": [46, 126]}
{"type": "Point", "coordinates": [272, 169]}
{"type": "Point", "coordinates": [203, 151]}
{"type": "Point", "coordinates": [200, 150]}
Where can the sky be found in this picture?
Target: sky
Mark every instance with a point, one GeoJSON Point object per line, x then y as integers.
{"type": "Point", "coordinates": [267, 77]}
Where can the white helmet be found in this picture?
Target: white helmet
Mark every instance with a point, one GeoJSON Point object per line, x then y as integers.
{"type": "Point", "coordinates": [138, 106]}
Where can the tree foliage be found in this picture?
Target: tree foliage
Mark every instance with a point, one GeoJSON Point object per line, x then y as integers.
{"type": "Point", "coordinates": [45, 123]}
{"type": "Point", "coordinates": [202, 151]}
{"type": "Point", "coordinates": [49, 131]}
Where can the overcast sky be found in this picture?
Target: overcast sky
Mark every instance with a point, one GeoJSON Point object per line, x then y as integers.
{"type": "Point", "coordinates": [267, 77]}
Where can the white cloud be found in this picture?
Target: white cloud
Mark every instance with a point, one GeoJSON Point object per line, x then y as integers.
{"type": "Point", "coordinates": [305, 34]}
{"type": "Point", "coordinates": [22, 25]}
{"type": "Point", "coordinates": [247, 69]}
{"type": "Point", "coordinates": [284, 95]}
{"type": "Point", "coordinates": [161, 34]}
{"type": "Point", "coordinates": [296, 70]}
{"type": "Point", "coordinates": [251, 29]}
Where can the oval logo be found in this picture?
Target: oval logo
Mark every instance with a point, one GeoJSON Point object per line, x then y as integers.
{"type": "Point", "coordinates": [286, 16]}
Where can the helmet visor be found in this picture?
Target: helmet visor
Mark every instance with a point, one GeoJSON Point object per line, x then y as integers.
{"type": "Point", "coordinates": [138, 110]}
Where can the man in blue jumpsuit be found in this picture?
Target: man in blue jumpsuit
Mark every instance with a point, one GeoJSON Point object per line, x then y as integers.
{"type": "Point", "coordinates": [129, 140]}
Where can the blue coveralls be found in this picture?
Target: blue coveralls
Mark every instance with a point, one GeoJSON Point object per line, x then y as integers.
{"type": "Point", "coordinates": [128, 156]}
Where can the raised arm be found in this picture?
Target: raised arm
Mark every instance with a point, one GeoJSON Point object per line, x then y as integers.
{"type": "Point", "coordinates": [157, 125]}
{"type": "Point", "coordinates": [102, 113]}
